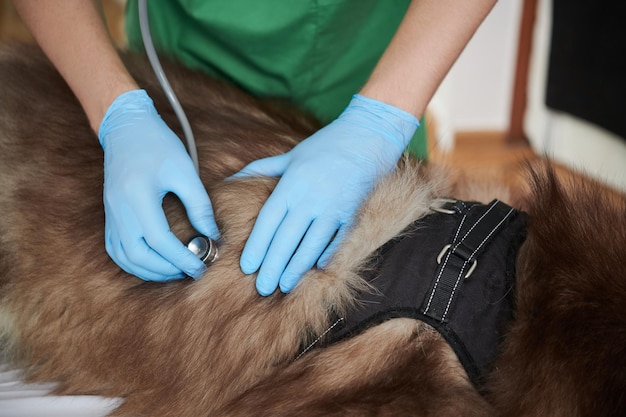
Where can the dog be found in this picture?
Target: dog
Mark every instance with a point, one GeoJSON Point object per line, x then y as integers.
{"type": "Point", "coordinates": [214, 347]}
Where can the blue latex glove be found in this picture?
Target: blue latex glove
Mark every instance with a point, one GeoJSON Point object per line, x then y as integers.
{"type": "Point", "coordinates": [324, 180]}
{"type": "Point", "coordinates": [143, 161]}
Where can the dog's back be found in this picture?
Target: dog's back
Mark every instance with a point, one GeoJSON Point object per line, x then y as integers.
{"type": "Point", "coordinates": [183, 348]}
{"type": "Point", "coordinates": [213, 346]}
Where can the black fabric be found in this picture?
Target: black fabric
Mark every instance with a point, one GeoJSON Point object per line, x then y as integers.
{"type": "Point", "coordinates": [587, 62]}
{"type": "Point", "coordinates": [405, 270]}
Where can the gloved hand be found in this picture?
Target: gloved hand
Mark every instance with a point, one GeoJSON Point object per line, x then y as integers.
{"type": "Point", "coordinates": [143, 161]}
{"type": "Point", "coordinates": [324, 180]}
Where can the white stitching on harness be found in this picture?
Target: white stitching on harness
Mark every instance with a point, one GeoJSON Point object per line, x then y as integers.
{"type": "Point", "coordinates": [313, 343]}
{"type": "Point", "coordinates": [449, 252]}
{"type": "Point", "coordinates": [456, 235]}
{"type": "Point", "coordinates": [458, 279]}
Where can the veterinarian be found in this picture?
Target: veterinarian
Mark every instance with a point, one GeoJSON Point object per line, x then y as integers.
{"type": "Point", "coordinates": [367, 68]}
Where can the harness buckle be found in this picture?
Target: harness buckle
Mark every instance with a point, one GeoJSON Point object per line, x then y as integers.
{"type": "Point", "coordinates": [443, 252]}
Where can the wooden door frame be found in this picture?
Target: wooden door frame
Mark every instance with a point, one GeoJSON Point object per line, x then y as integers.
{"type": "Point", "coordinates": [516, 132]}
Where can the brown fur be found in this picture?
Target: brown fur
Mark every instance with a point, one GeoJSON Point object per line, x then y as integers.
{"type": "Point", "coordinates": [565, 354]}
{"type": "Point", "coordinates": [213, 347]}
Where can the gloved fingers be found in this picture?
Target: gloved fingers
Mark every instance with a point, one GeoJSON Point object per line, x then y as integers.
{"type": "Point", "coordinates": [163, 270]}
{"type": "Point", "coordinates": [194, 197]}
{"type": "Point", "coordinates": [127, 221]}
{"type": "Point", "coordinates": [202, 218]}
{"type": "Point", "coordinates": [159, 238]}
{"type": "Point", "coordinates": [315, 241]}
{"type": "Point", "coordinates": [152, 258]}
{"type": "Point", "coordinates": [285, 242]}
{"type": "Point", "coordinates": [330, 250]}
{"type": "Point", "coordinates": [270, 217]}
{"type": "Point", "coordinates": [169, 247]}
{"type": "Point", "coordinates": [273, 166]}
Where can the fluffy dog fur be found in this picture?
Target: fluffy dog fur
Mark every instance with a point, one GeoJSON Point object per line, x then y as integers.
{"type": "Point", "coordinates": [213, 347]}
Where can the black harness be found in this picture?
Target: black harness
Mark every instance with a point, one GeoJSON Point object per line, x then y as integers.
{"type": "Point", "coordinates": [453, 269]}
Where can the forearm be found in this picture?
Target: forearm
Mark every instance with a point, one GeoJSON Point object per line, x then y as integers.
{"type": "Point", "coordinates": [74, 37]}
{"type": "Point", "coordinates": [429, 40]}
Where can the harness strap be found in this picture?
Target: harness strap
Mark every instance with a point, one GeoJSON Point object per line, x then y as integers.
{"type": "Point", "coordinates": [464, 291]}
{"type": "Point", "coordinates": [476, 229]}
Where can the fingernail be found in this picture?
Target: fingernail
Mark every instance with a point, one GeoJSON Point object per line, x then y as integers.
{"type": "Point", "coordinates": [287, 283]}
{"type": "Point", "coordinates": [263, 291]}
{"type": "Point", "coordinates": [264, 286]}
{"type": "Point", "coordinates": [247, 267]}
{"type": "Point", "coordinates": [199, 272]}
{"type": "Point", "coordinates": [285, 289]}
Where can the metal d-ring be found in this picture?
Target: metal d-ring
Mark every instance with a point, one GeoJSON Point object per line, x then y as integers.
{"type": "Point", "coordinates": [443, 200]}
{"type": "Point", "coordinates": [443, 252]}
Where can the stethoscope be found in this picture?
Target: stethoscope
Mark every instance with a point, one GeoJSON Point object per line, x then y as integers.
{"type": "Point", "coordinates": [202, 246]}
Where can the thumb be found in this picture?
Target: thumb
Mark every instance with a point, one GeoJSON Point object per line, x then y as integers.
{"type": "Point", "coordinates": [202, 219]}
{"type": "Point", "coordinates": [198, 207]}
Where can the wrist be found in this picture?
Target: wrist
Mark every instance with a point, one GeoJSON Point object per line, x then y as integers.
{"type": "Point", "coordinates": [108, 93]}
{"type": "Point", "coordinates": [128, 105]}
{"type": "Point", "coordinates": [392, 122]}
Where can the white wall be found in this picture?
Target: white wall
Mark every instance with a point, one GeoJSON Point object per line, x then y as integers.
{"type": "Point", "coordinates": [477, 92]}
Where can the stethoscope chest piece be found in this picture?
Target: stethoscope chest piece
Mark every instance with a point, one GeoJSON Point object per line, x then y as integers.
{"type": "Point", "coordinates": [204, 248]}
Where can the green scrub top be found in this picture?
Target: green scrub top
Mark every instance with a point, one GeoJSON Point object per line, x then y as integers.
{"type": "Point", "coordinates": [316, 53]}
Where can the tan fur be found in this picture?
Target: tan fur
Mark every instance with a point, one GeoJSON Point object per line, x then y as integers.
{"type": "Point", "coordinates": [211, 347]}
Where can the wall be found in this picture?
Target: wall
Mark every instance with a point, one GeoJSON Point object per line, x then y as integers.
{"type": "Point", "coordinates": [476, 94]}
